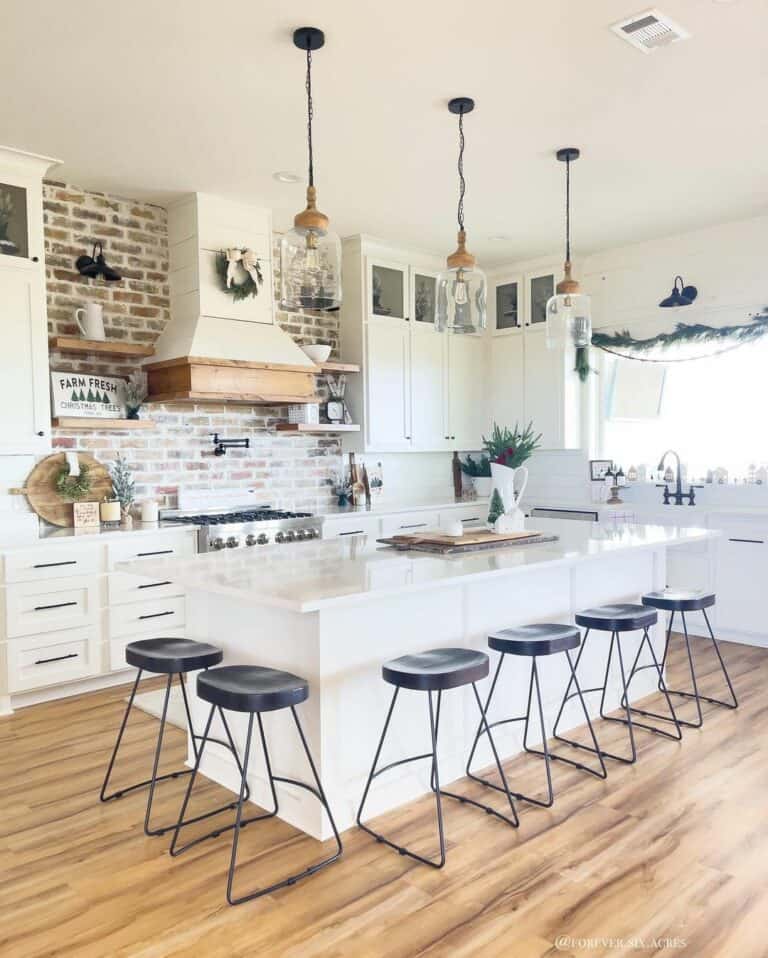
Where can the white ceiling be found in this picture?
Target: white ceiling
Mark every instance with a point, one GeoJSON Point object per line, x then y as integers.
{"type": "Point", "coordinates": [154, 98]}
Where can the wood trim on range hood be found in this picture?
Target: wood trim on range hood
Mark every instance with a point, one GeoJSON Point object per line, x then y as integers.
{"type": "Point", "coordinates": [198, 378]}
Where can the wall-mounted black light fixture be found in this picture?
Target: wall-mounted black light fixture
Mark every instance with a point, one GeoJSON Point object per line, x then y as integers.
{"type": "Point", "coordinates": [681, 295]}
{"type": "Point", "coordinates": [95, 265]}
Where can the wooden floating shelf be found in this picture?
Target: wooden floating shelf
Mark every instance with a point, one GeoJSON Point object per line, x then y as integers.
{"type": "Point", "coordinates": [248, 399]}
{"type": "Point", "coordinates": [84, 422]}
{"type": "Point", "coordinates": [317, 427]}
{"type": "Point", "coordinates": [70, 344]}
{"type": "Point", "coordinates": [339, 367]}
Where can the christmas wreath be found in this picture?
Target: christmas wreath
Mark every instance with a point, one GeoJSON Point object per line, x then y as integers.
{"type": "Point", "coordinates": [227, 263]}
{"type": "Point", "coordinates": [73, 487]}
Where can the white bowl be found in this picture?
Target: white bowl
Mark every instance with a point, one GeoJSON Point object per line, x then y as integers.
{"type": "Point", "coordinates": [317, 352]}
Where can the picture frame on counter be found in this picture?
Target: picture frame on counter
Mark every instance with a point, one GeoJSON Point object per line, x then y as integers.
{"type": "Point", "coordinates": [85, 515]}
{"type": "Point", "coordinates": [87, 395]}
{"type": "Point", "coordinates": [599, 468]}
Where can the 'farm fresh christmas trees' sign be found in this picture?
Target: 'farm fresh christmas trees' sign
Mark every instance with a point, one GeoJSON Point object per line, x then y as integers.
{"type": "Point", "coordinates": [79, 394]}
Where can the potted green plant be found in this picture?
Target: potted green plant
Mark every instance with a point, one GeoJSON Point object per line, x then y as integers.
{"type": "Point", "coordinates": [479, 471]}
{"type": "Point", "coordinates": [508, 450]}
{"type": "Point", "coordinates": [135, 393]}
{"type": "Point", "coordinates": [123, 488]}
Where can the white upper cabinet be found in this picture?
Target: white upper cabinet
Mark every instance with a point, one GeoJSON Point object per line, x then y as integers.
{"type": "Point", "coordinates": [466, 391]}
{"type": "Point", "coordinates": [388, 386]}
{"type": "Point", "coordinates": [528, 381]}
{"type": "Point", "coordinates": [429, 391]}
{"type": "Point", "coordinates": [25, 422]}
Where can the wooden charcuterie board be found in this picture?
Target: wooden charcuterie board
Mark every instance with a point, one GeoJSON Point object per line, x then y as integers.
{"type": "Point", "coordinates": [40, 487]}
{"type": "Point", "coordinates": [480, 539]}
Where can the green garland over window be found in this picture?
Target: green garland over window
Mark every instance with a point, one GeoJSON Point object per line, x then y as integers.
{"type": "Point", "coordinates": [624, 343]}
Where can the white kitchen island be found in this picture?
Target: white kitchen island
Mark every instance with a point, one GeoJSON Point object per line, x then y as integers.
{"type": "Point", "coordinates": [333, 611]}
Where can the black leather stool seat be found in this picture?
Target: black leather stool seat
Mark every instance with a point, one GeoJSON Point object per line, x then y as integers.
{"type": "Point", "coordinates": [679, 600]}
{"type": "Point", "coordinates": [436, 669]}
{"type": "Point", "coordinates": [251, 688]}
{"type": "Point", "coordinates": [543, 638]}
{"type": "Point", "coordinates": [617, 618]}
{"type": "Point", "coordinates": [172, 655]}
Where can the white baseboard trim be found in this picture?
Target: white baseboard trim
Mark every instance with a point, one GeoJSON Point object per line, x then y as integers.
{"type": "Point", "coordinates": [20, 700]}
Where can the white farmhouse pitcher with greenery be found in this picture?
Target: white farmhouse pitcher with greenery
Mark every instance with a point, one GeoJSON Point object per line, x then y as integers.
{"type": "Point", "coordinates": [508, 450]}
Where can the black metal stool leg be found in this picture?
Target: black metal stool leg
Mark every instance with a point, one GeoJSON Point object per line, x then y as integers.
{"type": "Point", "coordinates": [158, 749]}
{"type": "Point", "coordinates": [616, 643]}
{"type": "Point", "coordinates": [119, 794]}
{"type": "Point", "coordinates": [629, 710]}
{"type": "Point", "coordinates": [733, 704]}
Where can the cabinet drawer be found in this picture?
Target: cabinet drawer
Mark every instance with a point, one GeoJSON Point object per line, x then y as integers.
{"type": "Point", "coordinates": [350, 526]}
{"type": "Point", "coordinates": [471, 515]}
{"type": "Point", "coordinates": [409, 522]}
{"type": "Point", "coordinates": [116, 650]}
{"type": "Point", "coordinates": [155, 617]}
{"type": "Point", "coordinates": [124, 587]}
{"type": "Point", "coordinates": [161, 546]}
{"type": "Point", "coordinates": [52, 562]}
{"type": "Point", "coordinates": [38, 660]}
{"type": "Point", "coordinates": [49, 606]}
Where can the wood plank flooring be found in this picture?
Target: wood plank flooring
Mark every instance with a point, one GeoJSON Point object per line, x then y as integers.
{"type": "Point", "coordinates": [670, 854]}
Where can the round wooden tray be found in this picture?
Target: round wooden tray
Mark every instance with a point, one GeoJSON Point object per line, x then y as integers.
{"type": "Point", "coordinates": [40, 487]}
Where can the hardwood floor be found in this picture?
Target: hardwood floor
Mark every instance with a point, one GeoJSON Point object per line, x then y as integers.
{"type": "Point", "coordinates": [675, 847]}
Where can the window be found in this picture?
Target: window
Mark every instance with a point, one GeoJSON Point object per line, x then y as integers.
{"type": "Point", "coordinates": [712, 411]}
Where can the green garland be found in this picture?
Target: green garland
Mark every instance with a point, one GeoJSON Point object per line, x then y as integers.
{"type": "Point", "coordinates": [620, 343]}
{"type": "Point", "coordinates": [73, 487]}
{"type": "Point", "coordinates": [242, 290]}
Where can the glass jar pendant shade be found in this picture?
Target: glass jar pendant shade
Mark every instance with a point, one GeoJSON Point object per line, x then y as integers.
{"type": "Point", "coordinates": [310, 253]}
{"type": "Point", "coordinates": [569, 311]}
{"type": "Point", "coordinates": [460, 304]}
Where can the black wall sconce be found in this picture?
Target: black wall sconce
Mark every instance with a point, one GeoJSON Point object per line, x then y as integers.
{"type": "Point", "coordinates": [95, 265]}
{"type": "Point", "coordinates": [681, 295]}
{"type": "Point", "coordinates": [221, 445]}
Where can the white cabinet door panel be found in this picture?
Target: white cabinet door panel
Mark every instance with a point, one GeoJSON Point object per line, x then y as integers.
{"type": "Point", "coordinates": [351, 526]}
{"type": "Point", "coordinates": [429, 410]}
{"type": "Point", "coordinates": [388, 404]}
{"type": "Point", "coordinates": [35, 661]}
{"type": "Point", "coordinates": [56, 604]}
{"type": "Point", "coordinates": [742, 564]}
{"type": "Point", "coordinates": [467, 391]}
{"type": "Point", "coordinates": [506, 379]}
{"type": "Point", "coordinates": [409, 522]}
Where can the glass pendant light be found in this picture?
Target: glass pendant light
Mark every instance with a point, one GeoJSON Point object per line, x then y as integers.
{"type": "Point", "coordinates": [461, 286]}
{"type": "Point", "coordinates": [569, 317]}
{"type": "Point", "coordinates": [310, 253]}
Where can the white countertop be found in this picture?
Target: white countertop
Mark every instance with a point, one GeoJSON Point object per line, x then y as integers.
{"type": "Point", "coordinates": [46, 534]}
{"type": "Point", "coordinates": [308, 576]}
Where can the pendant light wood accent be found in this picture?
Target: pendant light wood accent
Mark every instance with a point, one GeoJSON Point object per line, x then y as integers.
{"type": "Point", "coordinates": [311, 218]}
{"type": "Point", "coordinates": [461, 258]}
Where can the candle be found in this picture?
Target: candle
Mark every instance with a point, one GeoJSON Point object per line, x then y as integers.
{"type": "Point", "coordinates": [109, 511]}
{"type": "Point", "coordinates": [149, 510]}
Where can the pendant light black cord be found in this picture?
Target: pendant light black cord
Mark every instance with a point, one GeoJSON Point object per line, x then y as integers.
{"type": "Point", "coordinates": [308, 86]}
{"type": "Point", "coordinates": [567, 210]}
{"type": "Point", "coordinates": [462, 182]}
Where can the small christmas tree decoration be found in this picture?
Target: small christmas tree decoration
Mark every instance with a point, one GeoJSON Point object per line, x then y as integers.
{"type": "Point", "coordinates": [123, 487]}
{"type": "Point", "coordinates": [496, 507]}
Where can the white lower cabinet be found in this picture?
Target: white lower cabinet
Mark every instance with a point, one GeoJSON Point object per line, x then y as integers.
{"type": "Point", "coordinates": [742, 565]}
{"type": "Point", "coordinates": [56, 604]}
{"type": "Point", "coordinates": [409, 522]}
{"type": "Point", "coordinates": [351, 526]}
{"type": "Point", "coordinates": [50, 658]}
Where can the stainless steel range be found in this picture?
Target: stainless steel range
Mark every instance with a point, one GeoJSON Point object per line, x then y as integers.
{"type": "Point", "coordinates": [250, 526]}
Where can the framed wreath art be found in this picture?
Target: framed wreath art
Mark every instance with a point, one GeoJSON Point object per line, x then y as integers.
{"type": "Point", "coordinates": [239, 271]}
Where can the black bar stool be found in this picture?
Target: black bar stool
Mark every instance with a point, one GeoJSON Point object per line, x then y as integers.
{"type": "Point", "coordinates": [618, 619]}
{"type": "Point", "coordinates": [435, 671]}
{"type": "Point", "coordinates": [682, 601]}
{"type": "Point", "coordinates": [167, 656]}
{"type": "Point", "coordinates": [531, 641]}
{"type": "Point", "coordinates": [253, 689]}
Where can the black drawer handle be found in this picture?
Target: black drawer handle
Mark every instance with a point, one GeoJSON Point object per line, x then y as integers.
{"type": "Point", "coordinates": [353, 532]}
{"type": "Point", "coordinates": [758, 542]}
{"type": "Point", "coordinates": [472, 519]}
{"type": "Point", "coordinates": [50, 565]}
{"type": "Point", "coordinates": [415, 525]}
{"type": "Point", "coordinates": [153, 585]}
{"type": "Point", "coordinates": [56, 658]}
{"type": "Point", "coordinates": [160, 552]}
{"type": "Point", "coordinates": [155, 615]}
{"type": "Point", "coordinates": [57, 605]}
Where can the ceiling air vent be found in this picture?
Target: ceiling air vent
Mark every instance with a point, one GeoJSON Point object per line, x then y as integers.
{"type": "Point", "coordinates": [649, 30]}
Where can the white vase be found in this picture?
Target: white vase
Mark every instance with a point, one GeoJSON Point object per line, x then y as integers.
{"type": "Point", "coordinates": [483, 485]}
{"type": "Point", "coordinates": [503, 479]}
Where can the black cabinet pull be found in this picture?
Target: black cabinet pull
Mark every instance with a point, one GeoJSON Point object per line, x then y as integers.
{"type": "Point", "coordinates": [56, 658]}
{"type": "Point", "coordinates": [757, 542]}
{"type": "Point", "coordinates": [50, 565]}
{"type": "Point", "coordinates": [155, 615]}
{"type": "Point", "coordinates": [415, 525]}
{"type": "Point", "coordinates": [160, 552]}
{"type": "Point", "coordinates": [57, 605]}
{"type": "Point", "coordinates": [353, 532]}
{"type": "Point", "coordinates": [153, 585]}
{"type": "Point", "coordinates": [472, 519]}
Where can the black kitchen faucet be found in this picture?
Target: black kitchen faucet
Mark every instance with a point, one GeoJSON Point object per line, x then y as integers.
{"type": "Point", "coordinates": [678, 495]}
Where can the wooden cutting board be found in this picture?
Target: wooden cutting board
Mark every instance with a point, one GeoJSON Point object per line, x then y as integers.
{"type": "Point", "coordinates": [469, 542]}
{"type": "Point", "coordinates": [40, 487]}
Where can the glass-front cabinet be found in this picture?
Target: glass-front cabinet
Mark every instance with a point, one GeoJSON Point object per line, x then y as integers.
{"type": "Point", "coordinates": [423, 293]}
{"type": "Point", "coordinates": [541, 288]}
{"type": "Point", "coordinates": [507, 302]}
{"type": "Point", "coordinates": [14, 228]}
{"type": "Point", "coordinates": [387, 290]}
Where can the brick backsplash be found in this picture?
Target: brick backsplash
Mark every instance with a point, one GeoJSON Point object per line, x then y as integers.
{"type": "Point", "coordinates": [292, 471]}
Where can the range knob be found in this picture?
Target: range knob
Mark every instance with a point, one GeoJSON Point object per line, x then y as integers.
{"type": "Point", "coordinates": [262, 539]}
{"type": "Point", "coordinates": [217, 544]}
{"type": "Point", "coordinates": [313, 533]}
{"type": "Point", "coordinates": [250, 539]}
{"type": "Point", "coordinates": [233, 542]}
{"type": "Point", "coordinates": [280, 537]}
{"type": "Point", "coordinates": [302, 534]}
{"type": "Point", "coordinates": [290, 536]}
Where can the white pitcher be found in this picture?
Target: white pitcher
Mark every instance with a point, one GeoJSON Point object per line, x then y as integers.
{"type": "Point", "coordinates": [504, 480]}
{"type": "Point", "coordinates": [90, 319]}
